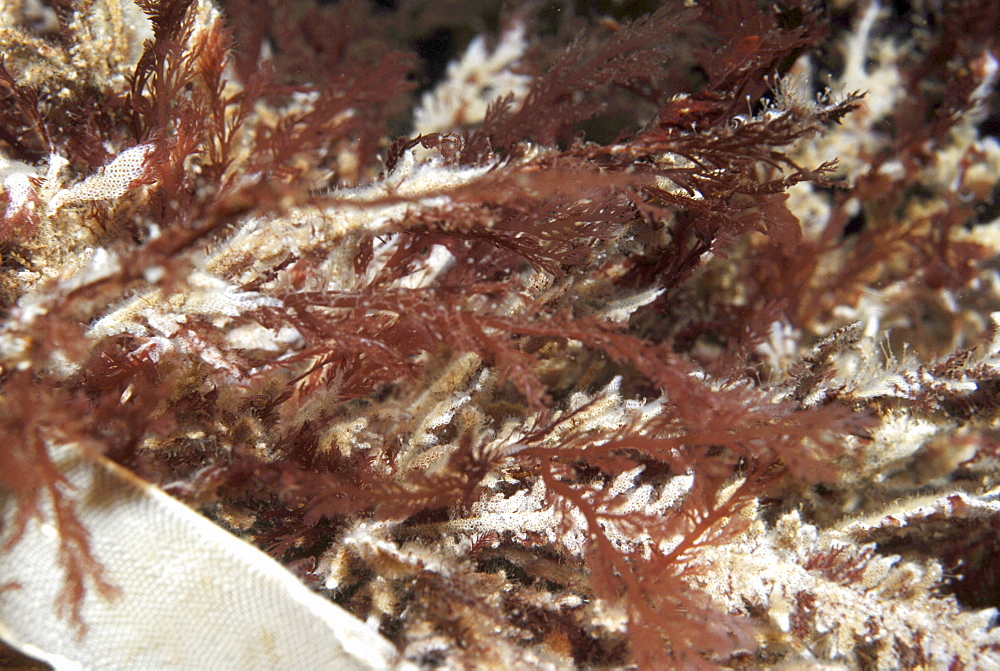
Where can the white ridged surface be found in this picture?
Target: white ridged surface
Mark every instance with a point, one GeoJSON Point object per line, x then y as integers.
{"type": "Point", "coordinates": [192, 595]}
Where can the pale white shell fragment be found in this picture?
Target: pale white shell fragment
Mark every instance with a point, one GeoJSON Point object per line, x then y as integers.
{"type": "Point", "coordinates": [192, 595]}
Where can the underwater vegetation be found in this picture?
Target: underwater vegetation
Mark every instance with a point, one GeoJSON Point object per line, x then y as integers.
{"type": "Point", "coordinates": [550, 335]}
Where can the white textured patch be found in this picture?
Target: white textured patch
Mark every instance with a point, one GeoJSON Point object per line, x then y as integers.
{"type": "Point", "coordinates": [111, 182]}
{"type": "Point", "coordinates": [478, 79]}
{"type": "Point", "coordinates": [192, 596]}
{"type": "Point", "coordinates": [257, 337]}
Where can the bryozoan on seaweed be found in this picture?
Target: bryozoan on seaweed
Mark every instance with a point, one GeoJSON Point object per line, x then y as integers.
{"type": "Point", "coordinates": [632, 340]}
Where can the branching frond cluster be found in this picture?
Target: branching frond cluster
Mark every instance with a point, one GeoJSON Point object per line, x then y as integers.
{"type": "Point", "coordinates": [620, 345]}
